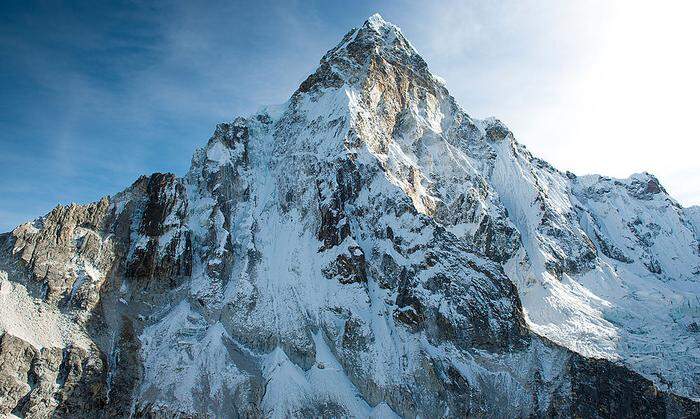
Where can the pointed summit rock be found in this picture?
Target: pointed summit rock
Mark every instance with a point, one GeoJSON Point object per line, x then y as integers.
{"type": "Point", "coordinates": [366, 249]}
{"type": "Point", "coordinates": [362, 51]}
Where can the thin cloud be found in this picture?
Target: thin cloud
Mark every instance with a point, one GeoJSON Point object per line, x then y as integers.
{"type": "Point", "coordinates": [97, 94]}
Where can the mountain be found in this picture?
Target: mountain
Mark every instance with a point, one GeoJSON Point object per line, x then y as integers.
{"type": "Point", "coordinates": [366, 249]}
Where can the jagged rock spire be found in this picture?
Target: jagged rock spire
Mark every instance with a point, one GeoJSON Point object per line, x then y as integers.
{"type": "Point", "coordinates": [349, 61]}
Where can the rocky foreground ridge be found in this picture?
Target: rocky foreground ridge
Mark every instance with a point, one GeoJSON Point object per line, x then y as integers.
{"type": "Point", "coordinates": [367, 249]}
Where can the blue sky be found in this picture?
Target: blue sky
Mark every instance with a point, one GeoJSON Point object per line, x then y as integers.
{"type": "Point", "coordinates": [95, 94]}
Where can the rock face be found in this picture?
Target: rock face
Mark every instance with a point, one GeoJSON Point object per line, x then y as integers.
{"type": "Point", "coordinates": [366, 249]}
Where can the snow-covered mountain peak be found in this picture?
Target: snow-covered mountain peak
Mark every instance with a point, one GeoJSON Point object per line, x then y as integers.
{"type": "Point", "coordinates": [376, 21]}
{"type": "Point", "coordinates": [366, 249]}
{"type": "Point", "coordinates": [359, 51]}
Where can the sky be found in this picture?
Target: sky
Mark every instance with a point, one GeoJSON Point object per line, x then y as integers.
{"type": "Point", "coordinates": [95, 94]}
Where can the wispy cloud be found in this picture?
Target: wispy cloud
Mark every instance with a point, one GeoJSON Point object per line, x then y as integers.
{"type": "Point", "coordinates": [95, 94]}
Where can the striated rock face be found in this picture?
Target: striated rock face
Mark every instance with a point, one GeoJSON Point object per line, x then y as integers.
{"type": "Point", "coordinates": [366, 249]}
{"type": "Point", "coordinates": [65, 382]}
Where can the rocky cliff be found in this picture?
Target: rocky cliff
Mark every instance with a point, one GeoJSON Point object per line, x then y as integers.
{"type": "Point", "coordinates": [366, 249]}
